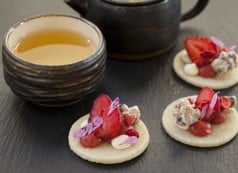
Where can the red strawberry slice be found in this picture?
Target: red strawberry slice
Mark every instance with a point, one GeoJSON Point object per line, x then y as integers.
{"type": "Point", "coordinates": [90, 141]}
{"type": "Point", "coordinates": [200, 50]}
{"type": "Point", "coordinates": [225, 102]}
{"type": "Point", "coordinates": [129, 120]}
{"type": "Point", "coordinates": [111, 122]}
{"type": "Point", "coordinates": [212, 109]}
{"type": "Point", "coordinates": [207, 71]}
{"type": "Point", "coordinates": [100, 107]}
{"type": "Point", "coordinates": [204, 97]}
{"type": "Point", "coordinates": [132, 132]}
{"type": "Point", "coordinates": [111, 126]}
{"type": "Point", "coordinates": [200, 128]}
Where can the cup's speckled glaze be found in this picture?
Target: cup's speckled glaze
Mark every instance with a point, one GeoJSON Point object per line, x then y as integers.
{"type": "Point", "coordinates": [54, 85]}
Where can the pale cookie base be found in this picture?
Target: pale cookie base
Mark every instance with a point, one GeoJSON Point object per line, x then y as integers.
{"type": "Point", "coordinates": [221, 133]}
{"type": "Point", "coordinates": [225, 81]}
{"type": "Point", "coordinates": [105, 153]}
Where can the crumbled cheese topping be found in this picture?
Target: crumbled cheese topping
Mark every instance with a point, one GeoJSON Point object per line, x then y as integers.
{"type": "Point", "coordinates": [225, 62]}
{"type": "Point", "coordinates": [186, 114]}
{"type": "Point", "coordinates": [134, 110]}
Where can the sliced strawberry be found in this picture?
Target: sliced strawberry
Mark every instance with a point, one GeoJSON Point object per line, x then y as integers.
{"type": "Point", "coordinates": [90, 141]}
{"type": "Point", "coordinates": [111, 121]}
{"type": "Point", "coordinates": [207, 71]}
{"type": "Point", "coordinates": [200, 50]}
{"type": "Point", "coordinates": [211, 111]}
{"type": "Point", "coordinates": [111, 126]}
{"type": "Point", "coordinates": [100, 107]}
{"type": "Point", "coordinates": [225, 102]}
{"type": "Point", "coordinates": [219, 118]}
{"type": "Point", "coordinates": [129, 120]}
{"type": "Point", "coordinates": [204, 97]}
{"type": "Point", "coordinates": [200, 128]}
{"type": "Point", "coordinates": [132, 132]}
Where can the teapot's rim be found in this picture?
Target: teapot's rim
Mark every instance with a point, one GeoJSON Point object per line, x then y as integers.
{"type": "Point", "coordinates": [131, 2]}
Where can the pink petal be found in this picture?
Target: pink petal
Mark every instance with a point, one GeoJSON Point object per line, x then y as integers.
{"type": "Point", "coordinates": [204, 111]}
{"type": "Point", "coordinates": [130, 140]}
{"type": "Point", "coordinates": [218, 42]}
{"type": "Point", "coordinates": [115, 104]}
{"type": "Point", "coordinates": [210, 109]}
{"type": "Point", "coordinates": [233, 48]}
{"type": "Point", "coordinates": [80, 132]}
{"type": "Point", "coordinates": [213, 101]}
{"type": "Point", "coordinates": [89, 128]}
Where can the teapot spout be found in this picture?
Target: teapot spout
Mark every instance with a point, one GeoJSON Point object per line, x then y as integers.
{"type": "Point", "coordinates": [78, 5]}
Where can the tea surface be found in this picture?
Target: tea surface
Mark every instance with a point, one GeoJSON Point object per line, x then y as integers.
{"type": "Point", "coordinates": [54, 47]}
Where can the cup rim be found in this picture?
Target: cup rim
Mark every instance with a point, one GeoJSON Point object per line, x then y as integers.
{"type": "Point", "coordinates": [84, 61]}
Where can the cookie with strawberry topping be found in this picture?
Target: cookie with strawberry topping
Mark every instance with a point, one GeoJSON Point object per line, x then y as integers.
{"type": "Point", "coordinates": [207, 62]}
{"type": "Point", "coordinates": [203, 120]}
{"type": "Point", "coordinates": [112, 133]}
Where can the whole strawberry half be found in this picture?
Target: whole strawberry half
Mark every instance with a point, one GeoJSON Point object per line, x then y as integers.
{"type": "Point", "coordinates": [200, 128]}
{"type": "Point", "coordinates": [207, 71]}
{"type": "Point", "coordinates": [111, 121]}
{"type": "Point", "coordinates": [201, 51]}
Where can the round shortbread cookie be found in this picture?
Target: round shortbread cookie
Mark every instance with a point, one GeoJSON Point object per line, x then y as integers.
{"type": "Point", "coordinates": [105, 153]}
{"type": "Point", "coordinates": [225, 81]}
{"type": "Point", "coordinates": [221, 133]}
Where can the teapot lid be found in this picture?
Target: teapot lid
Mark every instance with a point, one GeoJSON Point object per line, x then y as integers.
{"type": "Point", "coordinates": [131, 2]}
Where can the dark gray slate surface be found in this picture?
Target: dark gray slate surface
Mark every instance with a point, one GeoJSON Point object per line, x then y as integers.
{"type": "Point", "coordinates": [34, 139]}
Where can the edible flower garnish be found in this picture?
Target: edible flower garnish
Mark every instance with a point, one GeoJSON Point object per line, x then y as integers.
{"type": "Point", "coordinates": [89, 128]}
{"type": "Point", "coordinates": [109, 121]}
{"type": "Point", "coordinates": [221, 45]}
{"type": "Point", "coordinates": [130, 140]}
{"type": "Point", "coordinates": [115, 104]}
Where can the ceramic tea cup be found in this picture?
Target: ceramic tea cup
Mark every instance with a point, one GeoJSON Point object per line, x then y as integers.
{"type": "Point", "coordinates": [52, 84]}
{"type": "Point", "coordinates": [137, 29]}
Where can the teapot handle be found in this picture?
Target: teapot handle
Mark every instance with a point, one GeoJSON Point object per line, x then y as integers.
{"type": "Point", "coordinates": [78, 5]}
{"type": "Point", "coordinates": [200, 5]}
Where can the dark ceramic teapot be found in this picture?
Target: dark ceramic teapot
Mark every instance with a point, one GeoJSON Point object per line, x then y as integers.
{"type": "Point", "coordinates": [136, 29]}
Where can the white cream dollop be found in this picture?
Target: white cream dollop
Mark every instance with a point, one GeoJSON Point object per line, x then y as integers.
{"type": "Point", "coordinates": [118, 142]}
{"type": "Point", "coordinates": [191, 69]}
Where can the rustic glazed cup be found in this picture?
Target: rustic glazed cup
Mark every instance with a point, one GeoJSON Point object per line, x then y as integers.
{"type": "Point", "coordinates": [136, 29]}
{"type": "Point", "coordinates": [54, 85]}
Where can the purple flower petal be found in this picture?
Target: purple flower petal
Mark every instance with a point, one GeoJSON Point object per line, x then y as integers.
{"type": "Point", "coordinates": [130, 140]}
{"type": "Point", "coordinates": [218, 42]}
{"type": "Point", "coordinates": [233, 48]}
{"type": "Point", "coordinates": [80, 132]}
{"type": "Point", "coordinates": [115, 104]}
{"type": "Point", "coordinates": [203, 112]}
{"type": "Point", "coordinates": [96, 122]}
{"type": "Point", "coordinates": [213, 101]}
{"type": "Point", "coordinates": [89, 128]}
{"type": "Point", "coordinates": [210, 109]}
